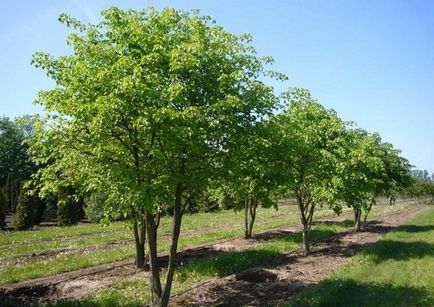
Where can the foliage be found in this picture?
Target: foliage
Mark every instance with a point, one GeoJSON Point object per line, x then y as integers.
{"type": "Point", "coordinates": [69, 208]}
{"type": "Point", "coordinates": [252, 178]}
{"type": "Point", "coordinates": [94, 207]}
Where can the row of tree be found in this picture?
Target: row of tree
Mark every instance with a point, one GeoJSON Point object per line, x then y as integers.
{"type": "Point", "coordinates": [159, 111]}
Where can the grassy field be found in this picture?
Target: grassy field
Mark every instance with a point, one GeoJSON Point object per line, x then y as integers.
{"type": "Point", "coordinates": [396, 271]}
{"type": "Point", "coordinates": [71, 248]}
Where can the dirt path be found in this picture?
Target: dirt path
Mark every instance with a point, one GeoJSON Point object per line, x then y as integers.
{"type": "Point", "coordinates": [80, 283]}
{"type": "Point", "coordinates": [273, 283]}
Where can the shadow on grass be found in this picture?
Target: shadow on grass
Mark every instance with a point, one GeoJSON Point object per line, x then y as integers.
{"type": "Point", "coordinates": [397, 250]}
{"type": "Point", "coordinates": [347, 292]}
{"type": "Point", "coordinates": [416, 228]}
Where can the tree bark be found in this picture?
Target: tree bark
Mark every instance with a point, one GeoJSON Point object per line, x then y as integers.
{"type": "Point", "coordinates": [246, 219]}
{"type": "Point", "coordinates": [140, 238]}
{"type": "Point", "coordinates": [357, 218]}
{"type": "Point", "coordinates": [304, 222]}
{"type": "Point", "coordinates": [151, 233]}
{"type": "Point", "coordinates": [250, 207]}
{"type": "Point", "coordinates": [177, 217]}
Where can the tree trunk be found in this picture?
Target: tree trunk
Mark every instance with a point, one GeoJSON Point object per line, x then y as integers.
{"type": "Point", "coordinates": [253, 206]}
{"type": "Point", "coordinates": [306, 242]}
{"type": "Point", "coordinates": [151, 233]}
{"type": "Point", "coordinates": [140, 238]}
{"type": "Point", "coordinates": [304, 223]}
{"type": "Point", "coordinates": [357, 218]}
{"type": "Point", "coordinates": [246, 219]}
{"type": "Point", "coordinates": [250, 206]}
{"type": "Point", "coordinates": [177, 217]}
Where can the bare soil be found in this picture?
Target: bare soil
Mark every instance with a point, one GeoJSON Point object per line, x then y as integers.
{"type": "Point", "coordinates": [267, 284]}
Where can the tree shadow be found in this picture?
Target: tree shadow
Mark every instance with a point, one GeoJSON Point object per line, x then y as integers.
{"type": "Point", "coordinates": [416, 228]}
{"type": "Point", "coordinates": [348, 292]}
{"type": "Point", "coordinates": [397, 250]}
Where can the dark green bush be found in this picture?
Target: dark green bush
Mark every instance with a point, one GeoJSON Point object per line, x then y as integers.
{"type": "Point", "coordinates": [24, 212]}
{"type": "Point", "coordinates": [67, 213]}
{"type": "Point", "coordinates": [69, 207]}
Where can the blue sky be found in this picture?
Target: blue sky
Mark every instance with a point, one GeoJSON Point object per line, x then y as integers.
{"type": "Point", "coordinates": [372, 61]}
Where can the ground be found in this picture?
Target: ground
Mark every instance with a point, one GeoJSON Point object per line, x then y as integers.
{"type": "Point", "coordinates": [269, 283]}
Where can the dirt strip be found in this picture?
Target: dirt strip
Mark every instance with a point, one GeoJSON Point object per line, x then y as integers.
{"type": "Point", "coordinates": [280, 278]}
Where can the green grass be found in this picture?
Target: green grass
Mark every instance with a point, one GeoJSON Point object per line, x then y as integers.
{"type": "Point", "coordinates": [197, 229]}
{"type": "Point", "coordinates": [396, 271]}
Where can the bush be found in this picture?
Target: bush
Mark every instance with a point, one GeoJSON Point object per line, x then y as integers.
{"type": "Point", "coordinates": [68, 213]}
{"type": "Point", "coordinates": [2, 208]}
{"type": "Point", "coordinates": [69, 208]}
{"type": "Point", "coordinates": [94, 207]}
{"type": "Point", "coordinates": [24, 212]}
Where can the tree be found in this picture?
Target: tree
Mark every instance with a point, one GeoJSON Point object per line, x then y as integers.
{"type": "Point", "coordinates": [25, 212]}
{"type": "Point", "coordinates": [358, 172]}
{"type": "Point", "coordinates": [368, 168]}
{"type": "Point", "coordinates": [15, 163]}
{"type": "Point", "coordinates": [143, 111]}
{"type": "Point", "coordinates": [306, 140]}
{"type": "Point", "coordinates": [252, 177]}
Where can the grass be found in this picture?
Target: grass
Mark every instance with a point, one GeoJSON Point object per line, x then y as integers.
{"type": "Point", "coordinates": [88, 240]}
{"type": "Point", "coordinates": [396, 271]}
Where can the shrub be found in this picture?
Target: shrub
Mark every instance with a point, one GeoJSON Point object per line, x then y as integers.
{"type": "Point", "coordinates": [67, 213]}
{"type": "Point", "coordinates": [24, 212]}
{"type": "Point", "coordinates": [69, 207]}
{"type": "Point", "coordinates": [94, 207]}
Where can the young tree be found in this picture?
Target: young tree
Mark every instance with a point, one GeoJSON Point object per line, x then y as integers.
{"type": "Point", "coordinates": [252, 177]}
{"type": "Point", "coordinates": [307, 138]}
{"type": "Point", "coordinates": [143, 111]}
{"type": "Point", "coordinates": [359, 169]}
{"type": "Point", "coordinates": [368, 169]}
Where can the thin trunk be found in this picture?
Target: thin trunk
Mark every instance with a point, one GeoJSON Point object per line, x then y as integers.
{"type": "Point", "coordinates": [246, 219]}
{"type": "Point", "coordinates": [306, 242]}
{"type": "Point", "coordinates": [177, 217]}
{"type": "Point", "coordinates": [304, 223]}
{"type": "Point", "coordinates": [357, 218]}
{"type": "Point", "coordinates": [151, 232]}
{"type": "Point", "coordinates": [253, 206]}
{"type": "Point", "coordinates": [139, 238]}
{"type": "Point", "coordinates": [367, 212]}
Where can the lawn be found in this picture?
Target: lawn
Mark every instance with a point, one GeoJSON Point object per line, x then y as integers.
{"type": "Point", "coordinates": [396, 271]}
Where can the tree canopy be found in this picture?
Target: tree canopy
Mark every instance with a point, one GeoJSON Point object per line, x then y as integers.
{"type": "Point", "coordinates": [144, 109]}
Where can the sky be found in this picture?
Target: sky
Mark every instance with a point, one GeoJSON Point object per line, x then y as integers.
{"type": "Point", "coordinates": [372, 61]}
